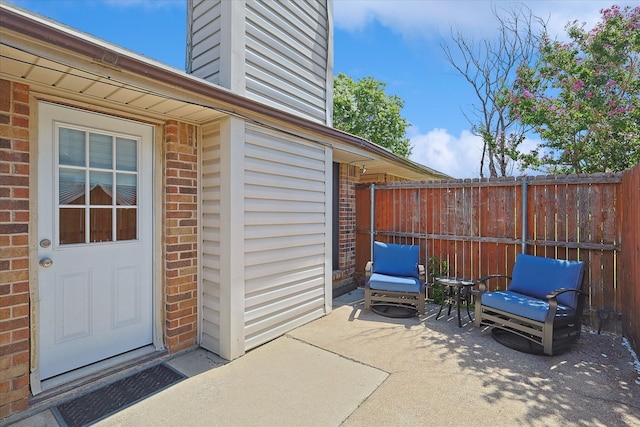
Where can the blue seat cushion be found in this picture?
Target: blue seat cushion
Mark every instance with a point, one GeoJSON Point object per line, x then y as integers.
{"type": "Point", "coordinates": [395, 260]}
{"type": "Point", "coordinates": [383, 282]}
{"type": "Point", "coordinates": [522, 305]}
{"type": "Point", "coordinates": [537, 277]}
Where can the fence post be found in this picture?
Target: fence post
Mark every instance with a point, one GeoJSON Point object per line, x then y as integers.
{"type": "Point", "coordinates": [373, 220]}
{"type": "Point", "coordinates": [525, 209]}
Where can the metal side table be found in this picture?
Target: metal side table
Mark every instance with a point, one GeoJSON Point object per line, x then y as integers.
{"type": "Point", "coordinates": [455, 290]}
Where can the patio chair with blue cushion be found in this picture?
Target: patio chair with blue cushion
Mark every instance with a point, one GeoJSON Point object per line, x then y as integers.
{"type": "Point", "coordinates": [395, 278]}
{"type": "Point", "coordinates": [543, 305]}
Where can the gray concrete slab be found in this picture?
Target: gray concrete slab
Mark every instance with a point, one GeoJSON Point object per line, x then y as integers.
{"type": "Point", "coordinates": [442, 375]}
{"type": "Point", "coordinates": [282, 383]}
{"type": "Point", "coordinates": [356, 368]}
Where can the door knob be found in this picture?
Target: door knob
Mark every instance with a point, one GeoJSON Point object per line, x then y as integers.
{"type": "Point", "coordinates": [46, 262]}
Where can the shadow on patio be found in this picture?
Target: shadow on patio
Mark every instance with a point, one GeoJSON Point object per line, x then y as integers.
{"type": "Point", "coordinates": [356, 368]}
{"type": "Point", "coordinates": [440, 374]}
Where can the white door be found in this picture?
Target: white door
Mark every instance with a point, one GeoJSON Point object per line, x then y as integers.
{"type": "Point", "coordinates": [95, 229]}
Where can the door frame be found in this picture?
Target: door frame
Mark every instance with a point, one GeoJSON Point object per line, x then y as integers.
{"type": "Point", "coordinates": [36, 99]}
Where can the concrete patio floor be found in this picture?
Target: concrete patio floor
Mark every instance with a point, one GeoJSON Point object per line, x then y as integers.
{"type": "Point", "coordinates": [357, 368]}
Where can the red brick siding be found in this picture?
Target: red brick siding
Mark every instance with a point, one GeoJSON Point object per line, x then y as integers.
{"type": "Point", "coordinates": [347, 218]}
{"type": "Point", "coordinates": [181, 235]}
{"type": "Point", "coordinates": [14, 248]}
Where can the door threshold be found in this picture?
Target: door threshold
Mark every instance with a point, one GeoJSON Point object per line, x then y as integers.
{"type": "Point", "coordinates": [67, 385]}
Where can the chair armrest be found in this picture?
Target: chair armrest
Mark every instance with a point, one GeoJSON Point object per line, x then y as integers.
{"type": "Point", "coordinates": [368, 270]}
{"type": "Point", "coordinates": [560, 291]}
{"type": "Point", "coordinates": [421, 270]}
{"type": "Point", "coordinates": [553, 303]}
{"type": "Point", "coordinates": [482, 282]}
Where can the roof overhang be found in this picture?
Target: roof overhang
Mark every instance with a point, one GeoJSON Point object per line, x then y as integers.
{"type": "Point", "coordinates": [61, 61]}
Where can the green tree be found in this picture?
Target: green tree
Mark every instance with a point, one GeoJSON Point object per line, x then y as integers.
{"type": "Point", "coordinates": [363, 108]}
{"type": "Point", "coordinates": [583, 97]}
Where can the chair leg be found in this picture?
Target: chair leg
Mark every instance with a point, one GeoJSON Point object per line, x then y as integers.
{"type": "Point", "coordinates": [421, 304]}
{"type": "Point", "coordinates": [547, 340]}
{"type": "Point", "coordinates": [367, 299]}
{"type": "Point", "coordinates": [440, 310]}
{"type": "Point", "coordinates": [467, 300]}
{"type": "Point", "coordinates": [478, 313]}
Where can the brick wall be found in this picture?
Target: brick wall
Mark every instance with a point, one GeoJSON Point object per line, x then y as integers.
{"type": "Point", "coordinates": [181, 235]}
{"type": "Point", "coordinates": [14, 248]}
{"type": "Point", "coordinates": [343, 279]}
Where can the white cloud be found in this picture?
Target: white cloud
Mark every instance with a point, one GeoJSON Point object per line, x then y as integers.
{"type": "Point", "coordinates": [409, 18]}
{"type": "Point", "coordinates": [458, 157]}
{"type": "Point", "coordinates": [432, 18]}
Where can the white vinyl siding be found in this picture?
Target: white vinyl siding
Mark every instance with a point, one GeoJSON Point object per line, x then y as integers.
{"type": "Point", "coordinates": [276, 52]}
{"type": "Point", "coordinates": [285, 234]}
{"type": "Point", "coordinates": [286, 55]}
{"type": "Point", "coordinates": [204, 26]}
{"type": "Point", "coordinates": [210, 182]}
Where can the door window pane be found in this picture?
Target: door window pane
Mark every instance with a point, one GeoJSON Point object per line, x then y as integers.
{"type": "Point", "coordinates": [100, 151]}
{"type": "Point", "coordinates": [72, 228]}
{"type": "Point", "coordinates": [126, 224]}
{"type": "Point", "coordinates": [101, 188]}
{"type": "Point", "coordinates": [126, 154]}
{"type": "Point", "coordinates": [71, 186]}
{"type": "Point", "coordinates": [100, 225]}
{"type": "Point", "coordinates": [126, 189]}
{"type": "Point", "coordinates": [71, 151]}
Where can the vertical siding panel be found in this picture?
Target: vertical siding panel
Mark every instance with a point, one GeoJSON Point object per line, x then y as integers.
{"type": "Point", "coordinates": [538, 206]}
{"type": "Point", "coordinates": [617, 230]}
{"type": "Point", "coordinates": [531, 220]}
{"type": "Point", "coordinates": [210, 211]}
{"type": "Point", "coordinates": [513, 231]}
{"type": "Point", "coordinates": [561, 218]}
{"type": "Point", "coordinates": [514, 218]}
{"type": "Point", "coordinates": [428, 210]}
{"type": "Point", "coordinates": [384, 211]}
{"type": "Point", "coordinates": [596, 236]}
{"type": "Point", "coordinates": [476, 251]}
{"type": "Point", "coordinates": [484, 212]}
{"type": "Point", "coordinates": [571, 215]}
{"type": "Point", "coordinates": [494, 229]}
{"type": "Point", "coordinates": [630, 256]}
{"type": "Point", "coordinates": [550, 219]}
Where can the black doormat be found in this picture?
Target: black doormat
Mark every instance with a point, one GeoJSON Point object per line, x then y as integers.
{"type": "Point", "coordinates": [105, 401]}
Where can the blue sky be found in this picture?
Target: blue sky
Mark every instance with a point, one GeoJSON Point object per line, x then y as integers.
{"type": "Point", "coordinates": [396, 42]}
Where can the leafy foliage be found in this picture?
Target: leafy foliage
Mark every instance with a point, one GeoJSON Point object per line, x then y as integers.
{"type": "Point", "coordinates": [583, 97]}
{"type": "Point", "coordinates": [364, 109]}
{"type": "Point", "coordinates": [436, 268]}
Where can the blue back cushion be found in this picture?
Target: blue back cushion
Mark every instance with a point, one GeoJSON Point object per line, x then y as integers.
{"type": "Point", "coordinates": [395, 260]}
{"type": "Point", "coordinates": [537, 277]}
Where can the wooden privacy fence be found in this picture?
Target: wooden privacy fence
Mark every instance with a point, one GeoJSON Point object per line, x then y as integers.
{"type": "Point", "coordinates": [479, 226]}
